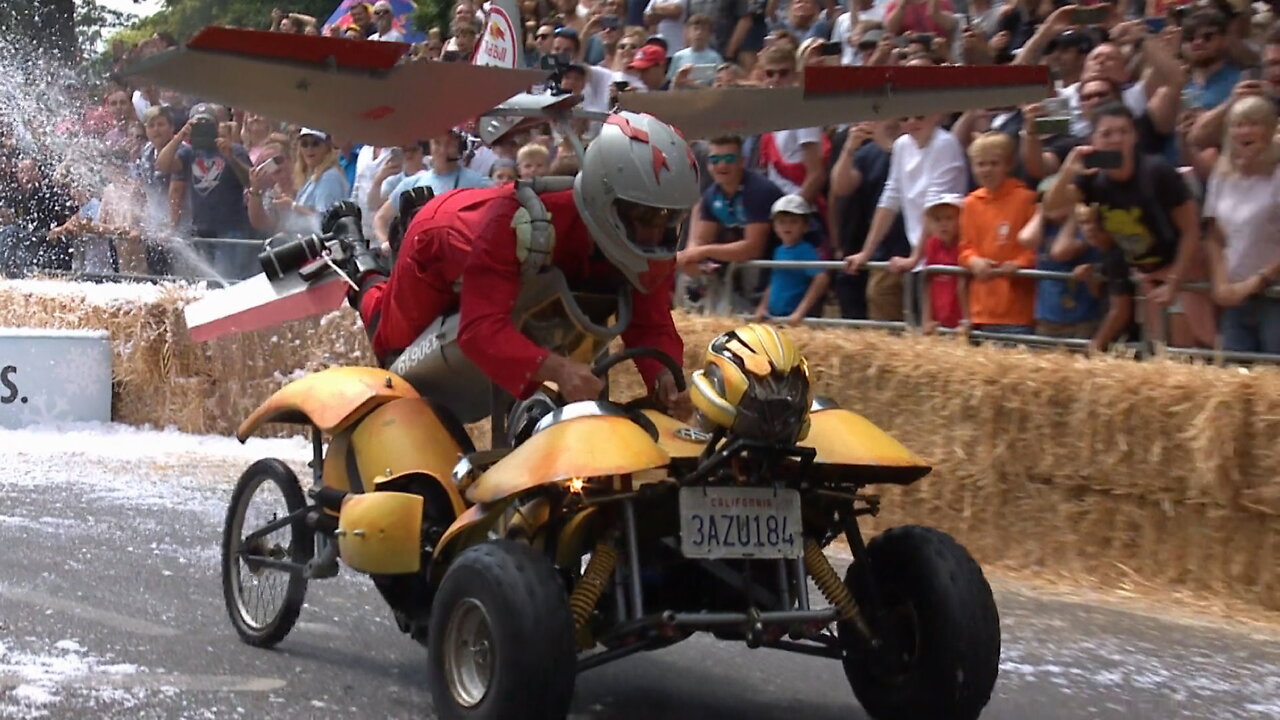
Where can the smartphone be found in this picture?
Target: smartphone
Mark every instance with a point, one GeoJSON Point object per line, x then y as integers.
{"type": "Point", "coordinates": [1104, 159]}
{"type": "Point", "coordinates": [1091, 15]}
{"type": "Point", "coordinates": [609, 22]}
{"type": "Point", "coordinates": [703, 74]}
{"type": "Point", "coordinates": [204, 135]}
{"type": "Point", "coordinates": [925, 39]}
{"type": "Point", "coordinates": [1155, 24]}
{"type": "Point", "coordinates": [1252, 74]}
{"type": "Point", "coordinates": [831, 49]}
{"type": "Point", "coordinates": [621, 85]}
{"type": "Point", "coordinates": [270, 163]}
{"type": "Point", "coordinates": [1056, 107]}
{"type": "Point", "coordinates": [396, 155]}
{"type": "Point", "coordinates": [1052, 126]}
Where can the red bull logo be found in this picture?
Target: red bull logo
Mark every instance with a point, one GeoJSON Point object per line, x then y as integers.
{"type": "Point", "coordinates": [499, 44]}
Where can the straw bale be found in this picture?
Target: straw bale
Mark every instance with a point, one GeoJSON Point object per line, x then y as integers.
{"type": "Point", "coordinates": [1151, 474]}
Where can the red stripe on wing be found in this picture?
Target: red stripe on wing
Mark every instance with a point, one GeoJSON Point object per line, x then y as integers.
{"type": "Point", "coordinates": [835, 80]}
{"type": "Point", "coordinates": [311, 49]}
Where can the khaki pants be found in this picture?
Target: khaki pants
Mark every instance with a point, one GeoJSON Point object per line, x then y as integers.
{"type": "Point", "coordinates": [884, 295]}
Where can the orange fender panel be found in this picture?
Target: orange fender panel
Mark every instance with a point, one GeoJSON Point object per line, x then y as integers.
{"type": "Point", "coordinates": [676, 447]}
{"type": "Point", "coordinates": [591, 446]}
{"type": "Point", "coordinates": [331, 399]}
{"type": "Point", "coordinates": [405, 435]}
{"type": "Point", "coordinates": [842, 437]}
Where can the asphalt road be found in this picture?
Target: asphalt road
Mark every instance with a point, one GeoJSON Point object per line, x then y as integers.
{"type": "Point", "coordinates": [110, 606]}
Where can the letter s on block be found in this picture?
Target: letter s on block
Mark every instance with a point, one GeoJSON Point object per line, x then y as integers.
{"type": "Point", "coordinates": [6, 382]}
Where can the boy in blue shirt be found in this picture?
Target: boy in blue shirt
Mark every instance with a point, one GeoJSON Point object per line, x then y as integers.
{"type": "Point", "coordinates": [793, 294]}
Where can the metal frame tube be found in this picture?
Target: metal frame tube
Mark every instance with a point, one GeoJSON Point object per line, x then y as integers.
{"type": "Point", "coordinates": [633, 559]}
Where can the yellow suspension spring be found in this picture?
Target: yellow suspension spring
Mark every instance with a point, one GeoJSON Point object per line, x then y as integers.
{"type": "Point", "coordinates": [594, 580]}
{"type": "Point", "coordinates": [833, 589]}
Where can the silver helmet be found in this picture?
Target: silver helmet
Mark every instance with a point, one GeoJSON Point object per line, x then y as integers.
{"type": "Point", "coordinates": [638, 171]}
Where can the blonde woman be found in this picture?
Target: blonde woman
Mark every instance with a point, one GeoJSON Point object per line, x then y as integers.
{"type": "Point", "coordinates": [1243, 201]}
{"type": "Point", "coordinates": [319, 180]}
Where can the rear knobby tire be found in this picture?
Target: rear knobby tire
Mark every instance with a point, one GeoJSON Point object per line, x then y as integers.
{"type": "Point", "coordinates": [939, 607]}
{"type": "Point", "coordinates": [275, 625]}
{"type": "Point", "coordinates": [506, 602]}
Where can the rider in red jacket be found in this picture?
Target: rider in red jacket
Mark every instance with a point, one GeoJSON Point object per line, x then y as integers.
{"type": "Point", "coordinates": [618, 225]}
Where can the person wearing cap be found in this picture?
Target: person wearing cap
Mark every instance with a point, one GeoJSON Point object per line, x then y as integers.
{"type": "Point", "coordinates": [993, 216]}
{"type": "Point", "coordinates": [650, 66]}
{"type": "Point", "coordinates": [445, 172]}
{"type": "Point", "coordinates": [1065, 55]}
{"type": "Point", "coordinates": [1212, 75]}
{"type": "Point", "coordinates": [948, 294]}
{"type": "Point", "coordinates": [384, 21]}
{"type": "Point", "coordinates": [320, 182]}
{"type": "Point", "coordinates": [216, 172]}
{"type": "Point", "coordinates": [793, 294]}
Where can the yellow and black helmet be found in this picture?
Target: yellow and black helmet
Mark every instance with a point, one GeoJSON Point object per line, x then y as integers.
{"type": "Point", "coordinates": [755, 385]}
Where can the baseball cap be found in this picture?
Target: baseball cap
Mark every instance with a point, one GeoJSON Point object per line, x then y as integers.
{"type": "Point", "coordinates": [955, 200]}
{"type": "Point", "coordinates": [657, 40]}
{"type": "Point", "coordinates": [648, 56]}
{"type": "Point", "coordinates": [793, 204]}
{"type": "Point", "coordinates": [313, 133]}
{"type": "Point", "coordinates": [204, 111]}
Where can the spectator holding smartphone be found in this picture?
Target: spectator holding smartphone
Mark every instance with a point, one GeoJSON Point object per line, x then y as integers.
{"type": "Point", "coordinates": [1209, 128]}
{"type": "Point", "coordinates": [1212, 74]}
{"type": "Point", "coordinates": [1147, 210]}
{"type": "Point", "coordinates": [699, 52]}
{"type": "Point", "coordinates": [1243, 203]}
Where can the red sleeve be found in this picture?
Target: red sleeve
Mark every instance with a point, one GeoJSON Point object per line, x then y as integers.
{"type": "Point", "coordinates": [490, 286]}
{"type": "Point", "coordinates": [652, 326]}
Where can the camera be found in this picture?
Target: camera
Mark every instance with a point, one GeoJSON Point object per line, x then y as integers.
{"type": "Point", "coordinates": [204, 134]}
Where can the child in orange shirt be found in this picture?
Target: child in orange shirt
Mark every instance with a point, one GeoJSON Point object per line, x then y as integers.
{"type": "Point", "coordinates": [989, 248]}
{"type": "Point", "coordinates": [947, 293]}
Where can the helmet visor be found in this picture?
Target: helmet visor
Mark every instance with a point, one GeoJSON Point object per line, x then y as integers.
{"type": "Point", "coordinates": [652, 229]}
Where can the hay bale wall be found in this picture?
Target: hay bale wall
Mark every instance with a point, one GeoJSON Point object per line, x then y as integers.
{"type": "Point", "coordinates": [1157, 473]}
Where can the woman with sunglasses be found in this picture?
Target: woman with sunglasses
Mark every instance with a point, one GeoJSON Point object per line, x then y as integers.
{"type": "Point", "coordinates": [320, 182]}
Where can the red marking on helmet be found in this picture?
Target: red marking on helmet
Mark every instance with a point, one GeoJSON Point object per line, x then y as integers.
{"type": "Point", "coordinates": [635, 133]}
{"type": "Point", "coordinates": [693, 161]}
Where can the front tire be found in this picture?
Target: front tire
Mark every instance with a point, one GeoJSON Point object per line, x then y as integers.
{"type": "Point", "coordinates": [264, 603]}
{"type": "Point", "coordinates": [501, 637]}
{"type": "Point", "coordinates": [940, 625]}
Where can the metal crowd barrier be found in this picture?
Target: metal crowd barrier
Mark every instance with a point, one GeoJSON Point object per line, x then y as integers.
{"type": "Point", "coordinates": [911, 288]}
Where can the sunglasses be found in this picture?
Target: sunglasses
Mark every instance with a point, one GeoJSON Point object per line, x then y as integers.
{"type": "Point", "coordinates": [1095, 96]}
{"type": "Point", "coordinates": [723, 158]}
{"type": "Point", "coordinates": [309, 143]}
{"type": "Point", "coordinates": [911, 117]}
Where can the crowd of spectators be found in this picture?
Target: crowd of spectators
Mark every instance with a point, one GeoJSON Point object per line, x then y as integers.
{"type": "Point", "coordinates": [1154, 163]}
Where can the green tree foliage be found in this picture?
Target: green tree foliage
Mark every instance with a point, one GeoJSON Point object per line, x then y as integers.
{"type": "Point", "coordinates": [183, 18]}
{"type": "Point", "coordinates": [433, 14]}
{"type": "Point", "coordinates": [48, 24]}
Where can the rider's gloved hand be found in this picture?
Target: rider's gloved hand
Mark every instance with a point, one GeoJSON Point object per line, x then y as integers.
{"type": "Point", "coordinates": [336, 212]}
{"type": "Point", "coordinates": [574, 380]}
{"type": "Point", "coordinates": [675, 403]}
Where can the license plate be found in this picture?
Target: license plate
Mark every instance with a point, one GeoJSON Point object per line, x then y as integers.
{"type": "Point", "coordinates": [740, 523]}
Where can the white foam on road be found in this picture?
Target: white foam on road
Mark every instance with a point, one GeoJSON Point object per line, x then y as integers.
{"type": "Point", "coordinates": [125, 442]}
{"type": "Point", "coordinates": [33, 682]}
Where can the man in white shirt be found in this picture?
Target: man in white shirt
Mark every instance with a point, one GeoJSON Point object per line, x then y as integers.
{"type": "Point", "coordinates": [382, 19]}
{"type": "Point", "coordinates": [670, 16]}
{"type": "Point", "coordinates": [369, 162]}
{"type": "Point", "coordinates": [927, 161]}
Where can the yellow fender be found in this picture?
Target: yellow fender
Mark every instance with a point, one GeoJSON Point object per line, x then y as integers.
{"type": "Point", "coordinates": [589, 446]}
{"type": "Point", "coordinates": [846, 441]}
{"type": "Point", "coordinates": [331, 399]}
{"type": "Point", "coordinates": [380, 533]}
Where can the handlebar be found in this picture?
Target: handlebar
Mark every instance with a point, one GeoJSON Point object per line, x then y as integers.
{"type": "Point", "coordinates": [603, 365]}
